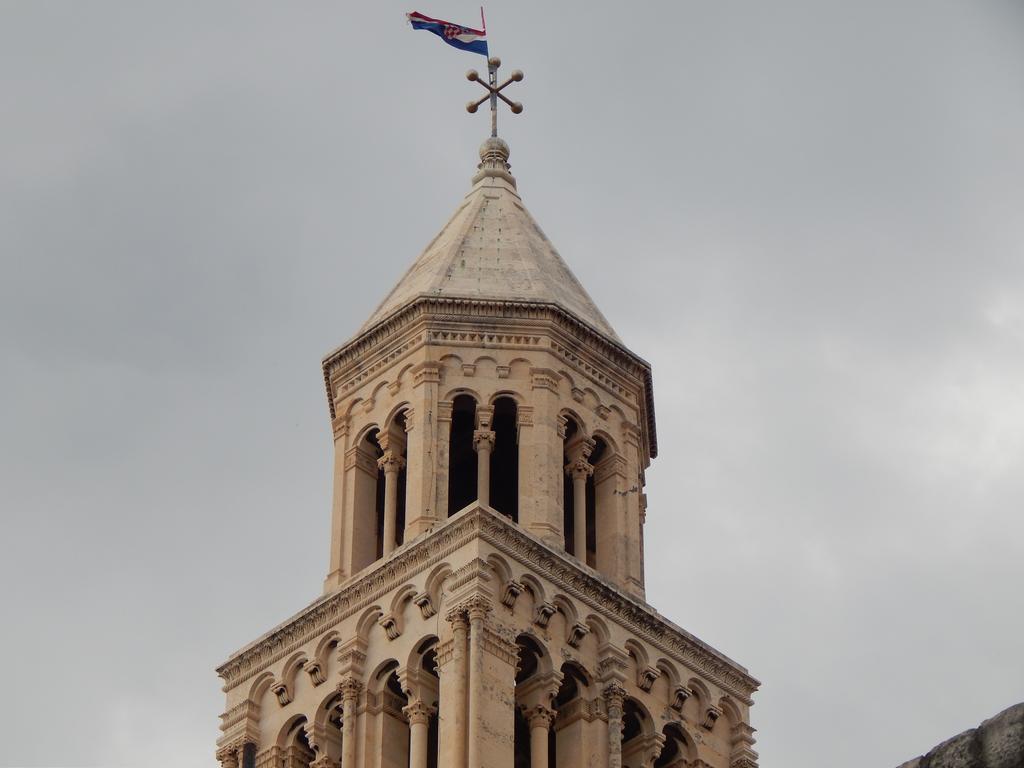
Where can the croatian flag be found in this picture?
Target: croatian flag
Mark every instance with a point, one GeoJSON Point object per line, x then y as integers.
{"type": "Point", "coordinates": [456, 35]}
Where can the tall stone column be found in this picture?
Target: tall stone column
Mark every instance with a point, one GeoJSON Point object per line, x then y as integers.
{"type": "Point", "coordinates": [350, 689]}
{"type": "Point", "coordinates": [483, 442]}
{"type": "Point", "coordinates": [579, 469]}
{"type": "Point", "coordinates": [478, 608]}
{"type": "Point", "coordinates": [418, 715]}
{"type": "Point", "coordinates": [452, 669]}
{"type": "Point", "coordinates": [392, 464]}
{"type": "Point", "coordinates": [614, 695]}
{"type": "Point", "coordinates": [539, 719]}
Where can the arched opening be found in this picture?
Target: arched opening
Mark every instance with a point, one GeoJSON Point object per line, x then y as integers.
{"type": "Point", "coordinates": [462, 461]}
{"type": "Point", "coordinates": [636, 734]}
{"type": "Point", "coordinates": [599, 453]}
{"type": "Point", "coordinates": [677, 751]}
{"type": "Point", "coordinates": [530, 655]}
{"type": "Point", "coordinates": [297, 750]}
{"type": "Point", "coordinates": [505, 459]}
{"type": "Point", "coordinates": [394, 729]}
{"type": "Point", "coordinates": [568, 733]}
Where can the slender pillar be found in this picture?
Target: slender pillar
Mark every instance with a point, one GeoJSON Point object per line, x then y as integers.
{"type": "Point", "coordinates": [350, 689]}
{"type": "Point", "coordinates": [418, 715]}
{"type": "Point", "coordinates": [392, 464]}
{"type": "Point", "coordinates": [540, 719]}
{"type": "Point", "coordinates": [614, 695]}
{"type": "Point", "coordinates": [477, 610]}
{"type": "Point", "coordinates": [452, 666]}
{"type": "Point", "coordinates": [579, 470]}
{"type": "Point", "coordinates": [483, 442]}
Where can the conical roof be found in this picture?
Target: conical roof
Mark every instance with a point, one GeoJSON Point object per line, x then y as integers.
{"type": "Point", "coordinates": [493, 249]}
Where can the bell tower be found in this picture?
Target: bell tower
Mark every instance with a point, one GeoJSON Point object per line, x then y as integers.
{"type": "Point", "coordinates": [484, 603]}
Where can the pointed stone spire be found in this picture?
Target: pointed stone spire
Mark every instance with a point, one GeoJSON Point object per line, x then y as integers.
{"type": "Point", "coordinates": [493, 249]}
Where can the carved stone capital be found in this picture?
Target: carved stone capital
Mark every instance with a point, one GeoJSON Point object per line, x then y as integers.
{"type": "Point", "coordinates": [456, 616]}
{"type": "Point", "coordinates": [350, 688]}
{"type": "Point", "coordinates": [228, 756]}
{"type": "Point", "coordinates": [614, 695]}
{"type": "Point", "coordinates": [483, 440]}
{"type": "Point", "coordinates": [524, 415]}
{"type": "Point", "coordinates": [391, 463]}
{"type": "Point", "coordinates": [539, 716]}
{"type": "Point", "coordinates": [580, 469]}
{"type": "Point", "coordinates": [477, 607]}
{"type": "Point", "coordinates": [444, 410]}
{"type": "Point", "coordinates": [417, 713]}
{"type": "Point", "coordinates": [544, 378]}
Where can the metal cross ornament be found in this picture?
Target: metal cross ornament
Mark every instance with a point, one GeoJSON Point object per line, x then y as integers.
{"type": "Point", "coordinates": [494, 91]}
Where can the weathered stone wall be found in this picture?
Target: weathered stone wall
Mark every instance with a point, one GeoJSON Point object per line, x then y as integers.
{"type": "Point", "coordinates": [996, 743]}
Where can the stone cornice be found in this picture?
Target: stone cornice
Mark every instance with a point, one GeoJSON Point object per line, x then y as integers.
{"type": "Point", "coordinates": [601, 596]}
{"type": "Point", "coordinates": [489, 311]}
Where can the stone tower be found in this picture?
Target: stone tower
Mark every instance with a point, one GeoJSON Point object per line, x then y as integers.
{"type": "Point", "coordinates": [484, 605]}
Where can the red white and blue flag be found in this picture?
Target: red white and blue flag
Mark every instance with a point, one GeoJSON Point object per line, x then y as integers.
{"type": "Point", "coordinates": [464, 38]}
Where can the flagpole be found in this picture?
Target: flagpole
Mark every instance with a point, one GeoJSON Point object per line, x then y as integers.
{"type": "Point", "coordinates": [492, 78]}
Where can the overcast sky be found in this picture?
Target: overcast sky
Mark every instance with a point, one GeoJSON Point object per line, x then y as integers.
{"type": "Point", "coordinates": [806, 214]}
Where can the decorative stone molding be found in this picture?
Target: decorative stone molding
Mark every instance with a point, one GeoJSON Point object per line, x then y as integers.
{"type": "Point", "coordinates": [603, 412]}
{"type": "Point", "coordinates": [269, 758]}
{"type": "Point", "coordinates": [524, 415]}
{"type": "Point", "coordinates": [503, 371]}
{"type": "Point", "coordinates": [612, 664]}
{"type": "Point", "coordinates": [428, 372]}
{"type": "Point", "coordinates": [444, 410]}
{"type": "Point", "coordinates": [544, 378]}
{"type": "Point", "coordinates": [577, 632]}
{"type": "Point", "coordinates": [475, 571]}
{"type": "Point", "coordinates": [356, 457]}
{"type": "Point", "coordinates": [645, 677]}
{"type": "Point", "coordinates": [710, 716]}
{"type": "Point", "coordinates": [476, 607]}
{"type": "Point", "coordinates": [577, 394]}
{"type": "Point", "coordinates": [316, 672]}
{"type": "Point", "coordinates": [543, 613]}
{"type": "Point", "coordinates": [445, 652]}
{"type": "Point", "coordinates": [512, 590]}
{"type": "Point", "coordinates": [601, 597]}
{"type": "Point", "coordinates": [390, 625]}
{"type": "Point", "coordinates": [679, 696]}
{"type": "Point", "coordinates": [352, 656]}
{"type": "Point", "coordinates": [425, 604]}
{"type": "Point", "coordinates": [496, 644]}
{"type": "Point", "coordinates": [283, 691]}
{"type": "Point", "coordinates": [395, 336]}
{"type": "Point", "coordinates": [468, 370]}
